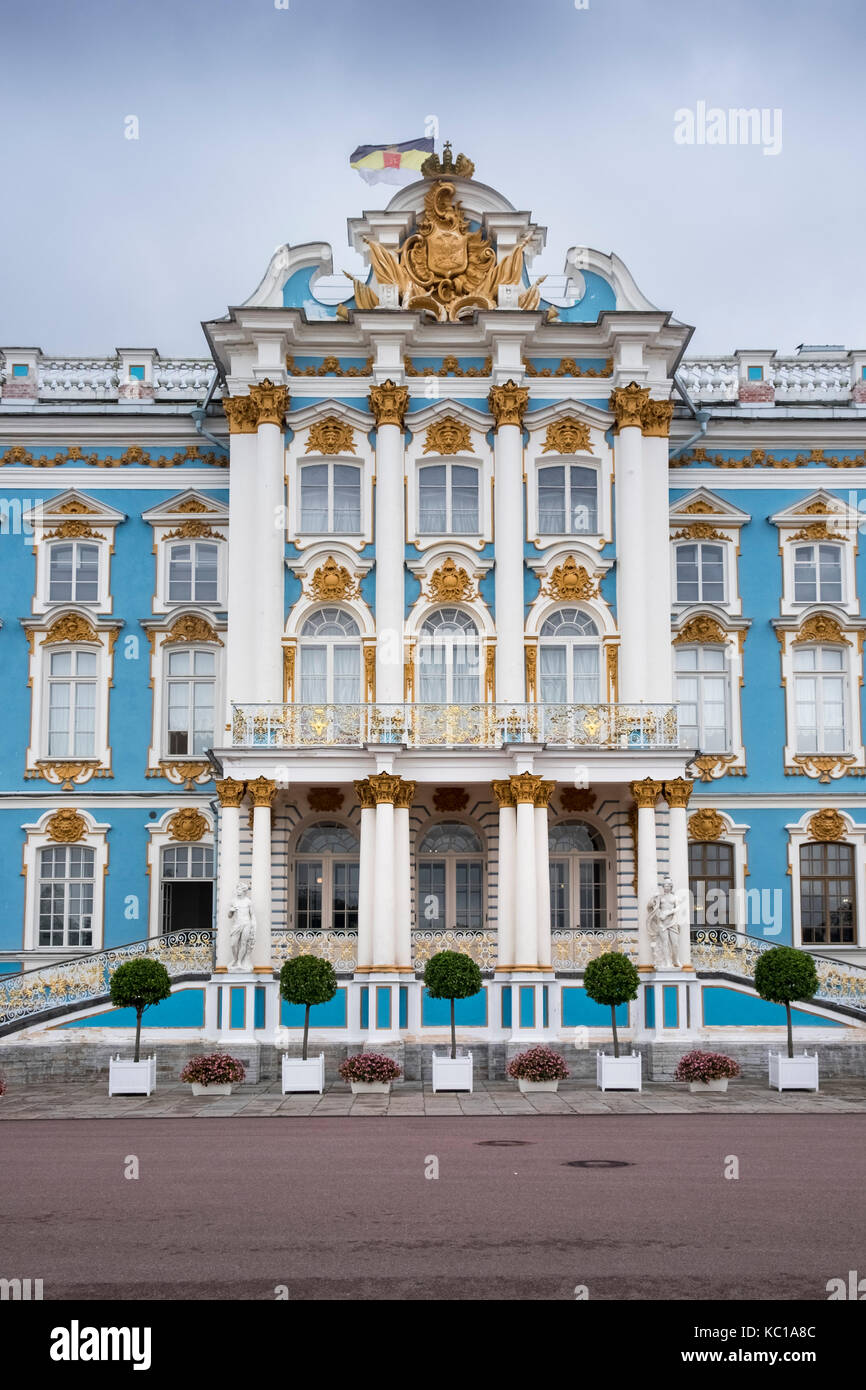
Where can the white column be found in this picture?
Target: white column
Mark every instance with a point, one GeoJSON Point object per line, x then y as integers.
{"type": "Point", "coordinates": [240, 638]}
{"type": "Point", "coordinates": [677, 795]}
{"type": "Point", "coordinates": [366, 874]}
{"type": "Point", "coordinates": [262, 791]}
{"type": "Point", "coordinates": [230, 793]}
{"type": "Point", "coordinates": [645, 794]}
{"type": "Point", "coordinates": [388, 403]}
{"type": "Point", "coordinates": [542, 874]}
{"type": "Point", "coordinates": [402, 875]}
{"type": "Point", "coordinates": [631, 548]}
{"type": "Point", "coordinates": [658, 677]}
{"type": "Point", "coordinates": [384, 786]}
{"type": "Point", "coordinates": [506, 879]}
{"type": "Point", "coordinates": [507, 404]}
{"type": "Point", "coordinates": [526, 905]}
{"type": "Point", "coordinates": [267, 616]}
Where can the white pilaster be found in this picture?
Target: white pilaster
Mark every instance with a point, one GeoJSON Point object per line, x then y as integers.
{"type": "Point", "coordinates": [677, 795]}
{"type": "Point", "coordinates": [542, 883]}
{"type": "Point", "coordinates": [269, 564]}
{"type": "Point", "coordinates": [507, 403]}
{"type": "Point", "coordinates": [506, 880]}
{"type": "Point", "coordinates": [402, 875]}
{"type": "Point", "coordinates": [388, 403]}
{"type": "Point", "coordinates": [263, 793]}
{"type": "Point", "coordinates": [366, 875]}
{"type": "Point", "coordinates": [645, 794]}
{"type": "Point", "coordinates": [240, 638]}
{"type": "Point", "coordinates": [631, 565]}
{"type": "Point", "coordinates": [230, 793]}
{"type": "Point", "coordinates": [526, 930]}
{"type": "Point", "coordinates": [383, 918]}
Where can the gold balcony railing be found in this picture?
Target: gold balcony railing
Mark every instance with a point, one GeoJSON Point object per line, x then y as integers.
{"type": "Point", "coordinates": [455, 725]}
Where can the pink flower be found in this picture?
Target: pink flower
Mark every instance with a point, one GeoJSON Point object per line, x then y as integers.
{"type": "Point", "coordinates": [705, 1066]}
{"type": "Point", "coordinates": [370, 1066]}
{"type": "Point", "coordinates": [538, 1064]}
{"type": "Point", "coordinates": [213, 1069]}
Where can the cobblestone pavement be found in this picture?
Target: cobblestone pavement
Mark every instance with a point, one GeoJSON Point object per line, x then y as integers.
{"type": "Point", "coordinates": [90, 1100]}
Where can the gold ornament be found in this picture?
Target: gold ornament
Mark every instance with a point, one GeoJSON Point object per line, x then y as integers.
{"type": "Point", "coordinates": [330, 366]}
{"type": "Point", "coordinates": [230, 792]}
{"type": "Point", "coordinates": [64, 774]}
{"type": "Point", "coordinates": [577, 799]}
{"type": "Point", "coordinates": [677, 793]}
{"type": "Point", "coordinates": [450, 367]}
{"type": "Point", "coordinates": [389, 403]}
{"type": "Point", "coordinates": [711, 765]}
{"type": "Point", "coordinates": [821, 627]}
{"type": "Point", "coordinates": [325, 799]}
{"type": "Point", "coordinates": [448, 436]}
{"type": "Point", "coordinates": [270, 403]}
{"type": "Point", "coordinates": [507, 404]}
{"type": "Point", "coordinates": [568, 366]}
{"type": "Point", "coordinates": [824, 766]}
{"type": "Point", "coordinates": [490, 673]}
{"type": "Point", "coordinates": [404, 794]}
{"type": "Point", "coordinates": [288, 673]}
{"type": "Point", "coordinates": [699, 508]}
{"type": "Point", "coordinates": [570, 581]}
{"type": "Point", "coordinates": [827, 825]}
{"type": "Point", "coordinates": [567, 436]}
{"type": "Point", "coordinates": [365, 794]}
{"type": "Point", "coordinates": [188, 824]}
{"type": "Point", "coordinates": [817, 531]}
{"type": "Point", "coordinates": [192, 504]}
{"type": "Point", "coordinates": [194, 530]}
{"type": "Point", "coordinates": [72, 530]}
{"type": "Point", "coordinates": [66, 826]}
{"type": "Point", "coordinates": [384, 786]}
{"type": "Point", "coordinates": [134, 454]}
{"type": "Point", "coordinates": [181, 772]}
{"type": "Point", "coordinates": [646, 793]}
{"type": "Point", "coordinates": [818, 508]}
{"type": "Point", "coordinates": [370, 671]}
{"type": "Point", "coordinates": [542, 794]}
{"type": "Point", "coordinates": [655, 419]}
{"type": "Point", "coordinates": [705, 825]}
{"type": "Point", "coordinates": [526, 786]}
{"type": "Point", "coordinates": [72, 507]}
{"type": "Point", "coordinates": [627, 403]}
{"type": "Point", "coordinates": [698, 531]}
{"type": "Point", "coordinates": [240, 412]}
{"type": "Point", "coordinates": [702, 629]}
{"type": "Point", "coordinates": [331, 436]}
{"type": "Point", "coordinates": [504, 793]}
{"type": "Point", "coordinates": [331, 582]}
{"type": "Point", "coordinates": [450, 799]}
{"type": "Point", "coordinates": [531, 663]}
{"type": "Point", "coordinates": [459, 168]}
{"type": "Point", "coordinates": [190, 628]}
{"type": "Point", "coordinates": [613, 672]}
{"type": "Point", "coordinates": [70, 628]}
{"type": "Point", "coordinates": [450, 584]}
{"type": "Point", "coordinates": [262, 790]}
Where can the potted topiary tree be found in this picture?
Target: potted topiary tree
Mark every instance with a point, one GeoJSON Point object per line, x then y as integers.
{"type": "Point", "coordinates": [452, 975]}
{"type": "Point", "coordinates": [612, 979]}
{"type": "Point", "coordinates": [306, 980]}
{"type": "Point", "coordinates": [136, 984]}
{"type": "Point", "coordinates": [782, 976]}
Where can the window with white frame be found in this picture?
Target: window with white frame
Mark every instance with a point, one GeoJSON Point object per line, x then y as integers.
{"type": "Point", "coordinates": [329, 659]}
{"type": "Point", "coordinates": [818, 574]}
{"type": "Point", "coordinates": [190, 699]}
{"type": "Point", "coordinates": [568, 656]}
{"type": "Point", "coordinates": [567, 500]}
{"type": "Point", "coordinates": [450, 864]}
{"type": "Point", "coordinates": [703, 694]}
{"type": "Point", "coordinates": [186, 881]}
{"type": "Point", "coordinates": [578, 877]}
{"type": "Point", "coordinates": [820, 699]}
{"type": "Point", "coordinates": [330, 498]}
{"type": "Point", "coordinates": [326, 878]}
{"type": "Point", "coordinates": [193, 572]}
{"type": "Point", "coordinates": [448, 499]}
{"type": "Point", "coordinates": [71, 705]}
{"type": "Point", "coordinates": [73, 572]}
{"type": "Point", "coordinates": [827, 893]}
{"type": "Point", "coordinates": [700, 573]}
{"type": "Point", "coordinates": [66, 879]}
{"type": "Point", "coordinates": [449, 659]}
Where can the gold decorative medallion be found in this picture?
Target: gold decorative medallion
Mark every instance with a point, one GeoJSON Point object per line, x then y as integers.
{"type": "Point", "coordinates": [705, 825]}
{"type": "Point", "coordinates": [331, 436]}
{"type": "Point", "coordinates": [821, 627]}
{"type": "Point", "coordinates": [508, 403]}
{"type": "Point", "coordinates": [194, 530]}
{"type": "Point", "coordinates": [450, 584]}
{"type": "Point", "coordinates": [331, 582]}
{"type": "Point", "coordinates": [192, 504]}
{"type": "Point", "coordinates": [71, 507]}
{"type": "Point", "coordinates": [699, 508]}
{"type": "Point", "coordinates": [701, 629]}
{"type": "Point", "coordinates": [567, 436]}
{"type": "Point", "coordinates": [188, 824]}
{"type": "Point", "coordinates": [389, 403]}
{"type": "Point", "coordinates": [698, 531]}
{"type": "Point", "coordinates": [570, 581]}
{"type": "Point", "coordinates": [190, 628]}
{"type": "Point", "coordinates": [70, 628]}
{"type": "Point", "coordinates": [827, 825]}
{"type": "Point", "coordinates": [72, 530]}
{"type": "Point", "coordinates": [816, 531]}
{"type": "Point", "coordinates": [448, 436]}
{"type": "Point", "coordinates": [66, 826]}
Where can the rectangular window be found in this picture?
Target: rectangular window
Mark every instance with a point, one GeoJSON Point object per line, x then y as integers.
{"type": "Point", "coordinates": [827, 894]}
{"type": "Point", "coordinates": [700, 574]}
{"type": "Point", "coordinates": [187, 888]}
{"type": "Point", "coordinates": [470, 909]}
{"type": "Point", "coordinates": [711, 880]}
{"type": "Point", "coordinates": [702, 693]}
{"type": "Point", "coordinates": [72, 704]}
{"type": "Point", "coordinates": [820, 700]}
{"type": "Point", "coordinates": [431, 889]}
{"type": "Point", "coordinates": [756, 373]}
{"type": "Point", "coordinates": [191, 687]}
{"type": "Point", "coordinates": [308, 895]}
{"type": "Point", "coordinates": [345, 910]}
{"type": "Point", "coordinates": [73, 573]}
{"type": "Point", "coordinates": [567, 500]}
{"type": "Point", "coordinates": [331, 498]}
{"type": "Point", "coordinates": [817, 574]}
{"type": "Point", "coordinates": [66, 884]}
{"type": "Point", "coordinates": [559, 893]}
{"type": "Point", "coordinates": [193, 573]}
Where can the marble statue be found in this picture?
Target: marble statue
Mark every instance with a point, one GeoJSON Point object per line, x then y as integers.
{"type": "Point", "coordinates": [667, 916]}
{"type": "Point", "coordinates": [243, 929]}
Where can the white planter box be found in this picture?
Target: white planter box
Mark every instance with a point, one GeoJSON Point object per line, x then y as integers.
{"type": "Point", "coordinates": [720, 1084]}
{"type": "Point", "coordinates": [377, 1088]}
{"type": "Point", "coordinates": [452, 1073]}
{"type": "Point", "coordinates": [536, 1085]}
{"type": "Point", "coordinates": [299, 1075]}
{"type": "Point", "coordinates": [794, 1073]}
{"type": "Point", "coordinates": [216, 1088]}
{"type": "Point", "coordinates": [128, 1078]}
{"type": "Point", "coordinates": [618, 1073]}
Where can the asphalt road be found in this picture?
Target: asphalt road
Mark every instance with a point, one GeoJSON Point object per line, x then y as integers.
{"type": "Point", "coordinates": [342, 1209]}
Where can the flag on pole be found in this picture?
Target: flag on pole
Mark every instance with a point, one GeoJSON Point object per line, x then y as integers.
{"type": "Point", "coordinates": [391, 163]}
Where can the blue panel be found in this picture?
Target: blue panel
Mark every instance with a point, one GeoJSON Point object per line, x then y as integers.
{"type": "Point", "coordinates": [545, 1005]}
{"type": "Point", "coordinates": [237, 1006]}
{"type": "Point", "coordinates": [599, 296]}
{"type": "Point", "coordinates": [670, 1006]}
{"type": "Point", "coordinates": [182, 1009]}
{"type": "Point", "coordinates": [404, 1006]}
{"type": "Point", "coordinates": [470, 1013]}
{"type": "Point", "coordinates": [383, 1006]}
{"type": "Point", "coordinates": [365, 1006]}
{"type": "Point", "coordinates": [220, 1007]}
{"type": "Point", "coordinates": [330, 1015]}
{"type": "Point", "coordinates": [723, 1006]}
{"type": "Point", "coordinates": [579, 1010]}
{"type": "Point", "coordinates": [649, 1006]}
{"type": "Point", "coordinates": [506, 1006]}
{"type": "Point", "coordinates": [259, 1015]}
{"type": "Point", "coordinates": [527, 1006]}
{"type": "Point", "coordinates": [10, 967]}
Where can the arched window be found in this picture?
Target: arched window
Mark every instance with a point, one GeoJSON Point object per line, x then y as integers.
{"type": "Point", "coordinates": [451, 878]}
{"type": "Point", "coordinates": [569, 659]}
{"type": "Point", "coordinates": [326, 878]}
{"type": "Point", "coordinates": [449, 664]}
{"type": "Point", "coordinates": [447, 499]}
{"type": "Point", "coordinates": [578, 877]}
{"type": "Point", "coordinates": [330, 659]}
{"type": "Point", "coordinates": [828, 893]}
{"type": "Point", "coordinates": [567, 500]}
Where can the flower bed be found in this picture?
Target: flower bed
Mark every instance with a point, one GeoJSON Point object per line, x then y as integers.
{"type": "Point", "coordinates": [213, 1069]}
{"type": "Point", "coordinates": [706, 1067]}
{"type": "Point", "coordinates": [370, 1067]}
{"type": "Point", "coordinates": [538, 1064]}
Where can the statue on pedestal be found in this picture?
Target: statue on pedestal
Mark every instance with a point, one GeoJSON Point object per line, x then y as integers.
{"type": "Point", "coordinates": [243, 930]}
{"type": "Point", "coordinates": [667, 916]}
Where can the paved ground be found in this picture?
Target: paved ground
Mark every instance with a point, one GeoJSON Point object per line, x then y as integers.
{"type": "Point", "coordinates": [90, 1100]}
{"type": "Point", "coordinates": [323, 1209]}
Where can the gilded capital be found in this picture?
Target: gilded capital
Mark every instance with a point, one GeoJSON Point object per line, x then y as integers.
{"type": "Point", "coordinates": [240, 413]}
{"type": "Point", "coordinates": [385, 786]}
{"type": "Point", "coordinates": [262, 791]}
{"type": "Point", "coordinates": [404, 794]}
{"type": "Point", "coordinates": [230, 792]}
{"type": "Point", "coordinates": [655, 419]}
{"type": "Point", "coordinates": [389, 403]}
{"type": "Point", "coordinates": [646, 793]}
{"type": "Point", "coordinates": [627, 404]}
{"type": "Point", "coordinates": [525, 786]}
{"type": "Point", "coordinates": [542, 794]}
{"type": "Point", "coordinates": [507, 404]}
{"type": "Point", "coordinates": [504, 793]}
{"type": "Point", "coordinates": [270, 403]}
{"type": "Point", "coordinates": [365, 794]}
{"type": "Point", "coordinates": [677, 792]}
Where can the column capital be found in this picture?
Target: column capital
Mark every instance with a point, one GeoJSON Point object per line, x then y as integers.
{"type": "Point", "coordinates": [240, 413]}
{"type": "Point", "coordinates": [262, 790]}
{"type": "Point", "coordinates": [504, 793]}
{"type": "Point", "coordinates": [541, 796]}
{"type": "Point", "coordinates": [389, 403]}
{"type": "Point", "coordinates": [677, 792]}
{"type": "Point", "coordinates": [365, 794]}
{"type": "Point", "coordinates": [655, 419]}
{"type": "Point", "coordinates": [525, 786]}
{"type": "Point", "coordinates": [507, 404]}
{"type": "Point", "coordinates": [404, 795]}
{"type": "Point", "coordinates": [646, 793]}
{"type": "Point", "coordinates": [385, 786]}
{"type": "Point", "coordinates": [230, 792]}
{"type": "Point", "coordinates": [627, 403]}
{"type": "Point", "coordinates": [270, 403]}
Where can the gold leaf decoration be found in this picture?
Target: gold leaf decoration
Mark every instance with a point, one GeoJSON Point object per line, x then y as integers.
{"type": "Point", "coordinates": [827, 825]}
{"type": "Point", "coordinates": [698, 531]}
{"type": "Point", "coordinates": [194, 530]}
{"type": "Point", "coordinates": [821, 627]}
{"type": "Point", "coordinates": [389, 403]}
{"type": "Point", "coordinates": [72, 627]}
{"type": "Point", "coordinates": [331, 582]}
{"type": "Point", "coordinates": [705, 825]}
{"type": "Point", "coordinates": [450, 799]}
{"type": "Point", "coordinates": [575, 799]}
{"type": "Point", "coordinates": [66, 826]}
{"type": "Point", "coordinates": [567, 436]}
{"type": "Point", "coordinates": [569, 366]}
{"type": "Point", "coordinates": [187, 825]}
{"type": "Point", "coordinates": [448, 436]}
{"type": "Point", "coordinates": [331, 436]}
{"type": "Point", "coordinates": [701, 629]}
{"type": "Point", "coordinates": [191, 628]}
{"type": "Point", "coordinates": [570, 581]}
{"type": "Point", "coordinates": [450, 584]}
{"type": "Point", "coordinates": [325, 799]}
{"type": "Point", "coordinates": [330, 366]}
{"type": "Point", "coordinates": [450, 367]}
{"type": "Point", "coordinates": [508, 403]}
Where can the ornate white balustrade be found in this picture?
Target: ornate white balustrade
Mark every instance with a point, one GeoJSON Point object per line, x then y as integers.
{"type": "Point", "coordinates": [716, 380]}
{"type": "Point", "coordinates": [572, 950]}
{"type": "Point", "coordinates": [98, 379]}
{"type": "Point", "coordinates": [455, 726]}
{"type": "Point", "coordinates": [723, 951]}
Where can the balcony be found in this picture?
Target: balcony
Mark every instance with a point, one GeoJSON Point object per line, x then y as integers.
{"type": "Point", "coordinates": [455, 726]}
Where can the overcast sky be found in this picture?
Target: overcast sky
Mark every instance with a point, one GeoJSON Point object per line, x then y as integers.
{"type": "Point", "coordinates": [248, 114]}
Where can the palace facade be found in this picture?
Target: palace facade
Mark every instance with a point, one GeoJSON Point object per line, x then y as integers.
{"type": "Point", "coordinates": [444, 614]}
